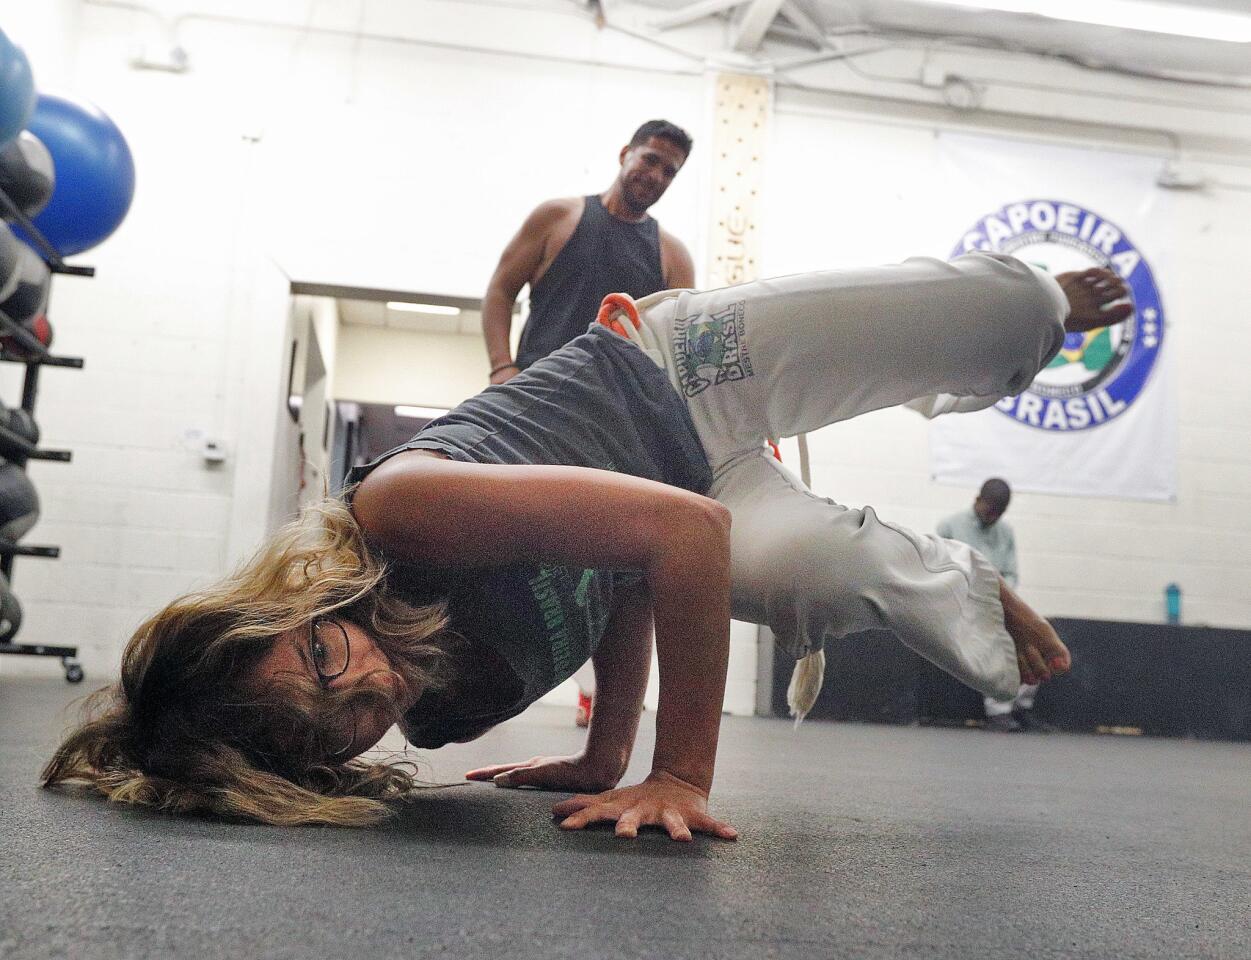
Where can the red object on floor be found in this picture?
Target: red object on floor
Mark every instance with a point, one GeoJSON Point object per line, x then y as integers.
{"type": "Point", "coordinates": [583, 717]}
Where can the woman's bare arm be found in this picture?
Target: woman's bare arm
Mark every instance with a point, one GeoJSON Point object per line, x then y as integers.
{"type": "Point", "coordinates": [420, 508]}
{"type": "Point", "coordinates": [621, 663]}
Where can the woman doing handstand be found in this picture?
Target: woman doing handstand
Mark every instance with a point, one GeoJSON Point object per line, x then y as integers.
{"type": "Point", "coordinates": [622, 483]}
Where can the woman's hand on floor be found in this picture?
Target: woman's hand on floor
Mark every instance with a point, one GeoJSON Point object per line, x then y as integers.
{"type": "Point", "coordinates": [579, 774]}
{"type": "Point", "coordinates": [662, 800]}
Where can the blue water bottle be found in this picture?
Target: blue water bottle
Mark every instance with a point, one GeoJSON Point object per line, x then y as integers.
{"type": "Point", "coordinates": [1172, 603]}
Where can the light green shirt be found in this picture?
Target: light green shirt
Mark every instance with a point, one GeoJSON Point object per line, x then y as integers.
{"type": "Point", "coordinates": [996, 542]}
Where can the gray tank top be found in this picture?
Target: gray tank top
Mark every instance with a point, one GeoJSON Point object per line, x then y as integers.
{"type": "Point", "coordinates": [596, 402]}
{"type": "Point", "coordinates": [604, 255]}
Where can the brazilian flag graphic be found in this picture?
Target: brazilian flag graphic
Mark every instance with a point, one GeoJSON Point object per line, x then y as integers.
{"type": "Point", "coordinates": [1093, 350]}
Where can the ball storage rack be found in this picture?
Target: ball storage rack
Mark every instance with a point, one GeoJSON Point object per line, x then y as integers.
{"type": "Point", "coordinates": [17, 449]}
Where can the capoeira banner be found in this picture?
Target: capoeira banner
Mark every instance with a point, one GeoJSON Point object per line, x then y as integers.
{"type": "Point", "coordinates": [1098, 420]}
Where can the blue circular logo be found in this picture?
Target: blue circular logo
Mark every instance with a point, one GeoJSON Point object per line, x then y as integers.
{"type": "Point", "coordinates": [1096, 376]}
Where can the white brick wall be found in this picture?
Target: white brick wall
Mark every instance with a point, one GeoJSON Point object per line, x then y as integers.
{"type": "Point", "coordinates": [883, 199]}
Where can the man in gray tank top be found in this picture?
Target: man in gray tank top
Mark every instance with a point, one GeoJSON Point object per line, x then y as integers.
{"type": "Point", "coordinates": [574, 251]}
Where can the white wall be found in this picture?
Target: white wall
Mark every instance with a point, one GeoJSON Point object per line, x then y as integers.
{"type": "Point", "coordinates": [47, 33]}
{"type": "Point", "coordinates": [885, 198]}
{"type": "Point", "coordinates": [388, 365]}
{"type": "Point", "coordinates": [341, 161]}
{"type": "Point", "coordinates": [398, 159]}
{"type": "Point", "coordinates": [286, 457]}
{"type": "Point", "coordinates": [182, 334]}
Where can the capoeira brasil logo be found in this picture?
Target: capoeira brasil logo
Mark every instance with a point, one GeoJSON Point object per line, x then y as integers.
{"type": "Point", "coordinates": [708, 351]}
{"type": "Point", "coordinates": [1096, 376]}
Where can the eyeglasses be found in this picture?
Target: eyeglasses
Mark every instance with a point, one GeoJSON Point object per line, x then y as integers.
{"type": "Point", "coordinates": [329, 650]}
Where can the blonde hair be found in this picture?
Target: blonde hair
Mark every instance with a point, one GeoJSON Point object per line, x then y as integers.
{"type": "Point", "coordinates": [187, 731]}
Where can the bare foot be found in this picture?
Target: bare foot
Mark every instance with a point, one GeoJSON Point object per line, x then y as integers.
{"type": "Point", "coordinates": [1040, 653]}
{"type": "Point", "coordinates": [1092, 296]}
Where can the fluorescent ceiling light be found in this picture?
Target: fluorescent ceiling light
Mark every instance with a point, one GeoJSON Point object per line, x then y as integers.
{"type": "Point", "coordinates": [434, 308]}
{"type": "Point", "coordinates": [1153, 17]}
{"type": "Point", "coordinates": [423, 413]}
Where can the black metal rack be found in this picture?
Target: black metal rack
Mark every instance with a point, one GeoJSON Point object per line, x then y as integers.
{"type": "Point", "coordinates": [17, 449]}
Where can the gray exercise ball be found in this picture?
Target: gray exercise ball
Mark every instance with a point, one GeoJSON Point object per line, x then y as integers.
{"type": "Point", "coordinates": [26, 173]}
{"type": "Point", "coordinates": [20, 422]}
{"type": "Point", "coordinates": [10, 261]}
{"type": "Point", "coordinates": [34, 280]}
{"type": "Point", "coordinates": [19, 503]}
{"type": "Point", "coordinates": [10, 611]}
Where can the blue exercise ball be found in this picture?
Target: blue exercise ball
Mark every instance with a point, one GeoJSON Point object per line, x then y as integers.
{"type": "Point", "coordinates": [17, 90]}
{"type": "Point", "coordinates": [95, 173]}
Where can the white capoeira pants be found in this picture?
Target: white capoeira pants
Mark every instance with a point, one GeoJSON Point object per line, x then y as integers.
{"type": "Point", "coordinates": [776, 358]}
{"type": "Point", "coordinates": [1024, 700]}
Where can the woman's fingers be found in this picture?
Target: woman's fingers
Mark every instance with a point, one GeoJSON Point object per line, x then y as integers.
{"type": "Point", "coordinates": [629, 822]}
{"type": "Point", "coordinates": [549, 773]}
{"type": "Point", "coordinates": [660, 801]}
{"type": "Point", "coordinates": [588, 815]}
{"type": "Point", "coordinates": [521, 777]}
{"type": "Point", "coordinates": [573, 804]}
{"type": "Point", "coordinates": [497, 769]}
{"type": "Point", "coordinates": [680, 825]}
{"type": "Point", "coordinates": [718, 828]}
{"type": "Point", "coordinates": [490, 773]}
{"type": "Point", "coordinates": [546, 776]}
{"type": "Point", "coordinates": [678, 830]}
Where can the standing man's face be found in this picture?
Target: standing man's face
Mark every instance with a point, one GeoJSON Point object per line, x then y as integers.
{"type": "Point", "coordinates": [646, 172]}
{"type": "Point", "coordinates": [987, 512]}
